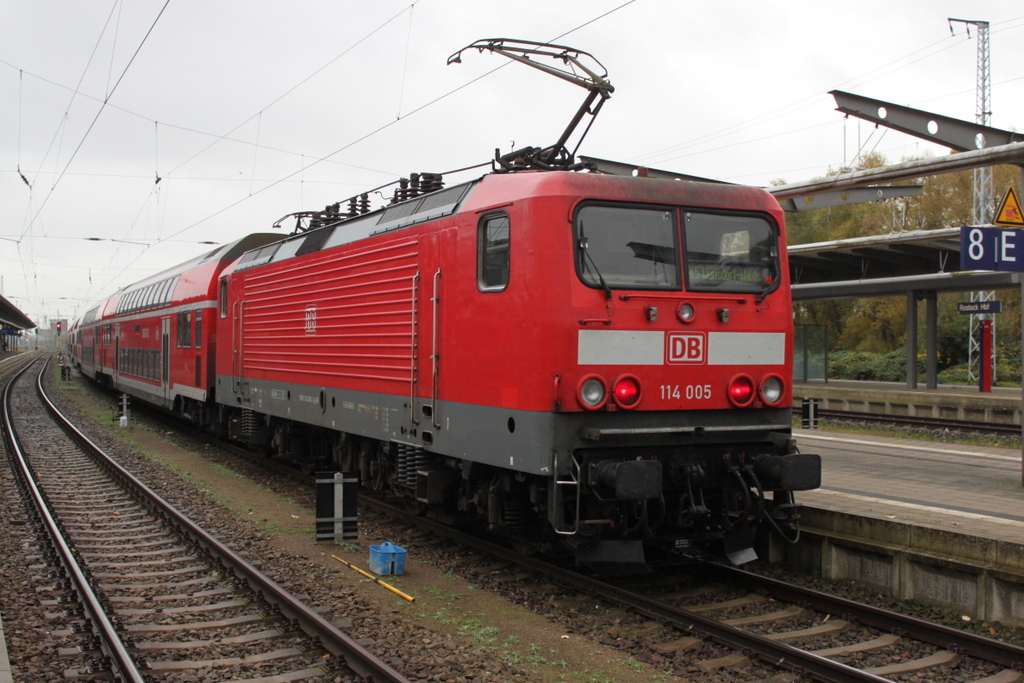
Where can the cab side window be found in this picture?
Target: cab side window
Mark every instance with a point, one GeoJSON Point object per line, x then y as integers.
{"type": "Point", "coordinates": [493, 252]}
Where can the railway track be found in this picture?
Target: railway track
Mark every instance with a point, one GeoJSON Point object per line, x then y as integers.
{"type": "Point", "coordinates": [160, 597]}
{"type": "Point", "coordinates": [731, 622]}
{"type": "Point", "coordinates": [919, 422]}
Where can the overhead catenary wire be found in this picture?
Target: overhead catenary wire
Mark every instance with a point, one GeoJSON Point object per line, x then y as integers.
{"type": "Point", "coordinates": [265, 141]}
{"type": "Point", "coordinates": [878, 72]}
{"type": "Point", "coordinates": [96, 118]}
{"type": "Point", "coordinates": [165, 124]}
{"type": "Point", "coordinates": [35, 217]}
{"type": "Point", "coordinates": [405, 68]}
{"type": "Point", "coordinates": [255, 151]}
{"type": "Point", "coordinates": [388, 124]}
{"type": "Point", "coordinates": [306, 166]}
{"type": "Point", "coordinates": [21, 75]}
{"type": "Point", "coordinates": [296, 86]}
{"type": "Point", "coordinates": [156, 152]}
{"type": "Point", "coordinates": [113, 47]}
{"type": "Point", "coordinates": [75, 91]}
{"type": "Point", "coordinates": [660, 156]}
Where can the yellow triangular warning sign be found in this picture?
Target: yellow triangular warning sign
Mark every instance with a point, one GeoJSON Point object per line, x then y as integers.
{"type": "Point", "coordinates": [1009, 212]}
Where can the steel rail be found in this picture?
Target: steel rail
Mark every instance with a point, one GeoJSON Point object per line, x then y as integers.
{"type": "Point", "coordinates": [952, 639]}
{"type": "Point", "coordinates": [358, 658]}
{"type": "Point", "coordinates": [122, 663]}
{"type": "Point", "coordinates": [12, 361]}
{"type": "Point", "coordinates": [769, 651]}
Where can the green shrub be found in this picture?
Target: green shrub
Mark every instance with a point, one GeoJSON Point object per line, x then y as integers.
{"type": "Point", "coordinates": [870, 366]}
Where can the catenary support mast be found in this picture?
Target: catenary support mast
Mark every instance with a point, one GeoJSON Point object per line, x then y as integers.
{"type": "Point", "coordinates": [983, 193]}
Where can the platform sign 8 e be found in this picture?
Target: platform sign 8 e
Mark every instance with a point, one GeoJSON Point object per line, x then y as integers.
{"type": "Point", "coordinates": [991, 249]}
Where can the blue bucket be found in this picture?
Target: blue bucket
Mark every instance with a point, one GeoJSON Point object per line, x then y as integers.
{"type": "Point", "coordinates": [386, 559]}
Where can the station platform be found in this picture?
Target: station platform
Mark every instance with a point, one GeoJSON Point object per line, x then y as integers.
{"type": "Point", "coordinates": [922, 520]}
{"type": "Point", "coordinates": [954, 402]}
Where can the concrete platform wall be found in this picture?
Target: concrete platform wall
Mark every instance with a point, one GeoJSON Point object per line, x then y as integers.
{"type": "Point", "coordinates": [982, 578]}
{"type": "Point", "coordinates": [953, 406]}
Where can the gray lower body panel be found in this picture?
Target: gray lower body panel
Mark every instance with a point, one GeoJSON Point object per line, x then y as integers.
{"type": "Point", "coordinates": [526, 441]}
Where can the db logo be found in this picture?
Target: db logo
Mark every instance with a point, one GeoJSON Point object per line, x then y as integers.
{"type": "Point", "coordinates": [311, 319]}
{"type": "Point", "coordinates": [685, 347]}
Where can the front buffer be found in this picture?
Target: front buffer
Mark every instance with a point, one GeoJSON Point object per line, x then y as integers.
{"type": "Point", "coordinates": [653, 489]}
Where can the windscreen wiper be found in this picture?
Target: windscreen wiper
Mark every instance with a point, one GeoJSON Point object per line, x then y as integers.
{"type": "Point", "coordinates": [586, 253]}
{"type": "Point", "coordinates": [764, 292]}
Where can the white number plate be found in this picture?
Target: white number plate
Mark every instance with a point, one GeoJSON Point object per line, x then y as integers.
{"type": "Point", "coordinates": [691, 392]}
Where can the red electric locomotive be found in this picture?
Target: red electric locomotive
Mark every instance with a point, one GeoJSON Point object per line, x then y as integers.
{"type": "Point", "coordinates": [593, 359]}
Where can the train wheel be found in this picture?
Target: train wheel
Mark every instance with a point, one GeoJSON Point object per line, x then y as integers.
{"type": "Point", "coordinates": [372, 465]}
{"type": "Point", "coordinates": [346, 453]}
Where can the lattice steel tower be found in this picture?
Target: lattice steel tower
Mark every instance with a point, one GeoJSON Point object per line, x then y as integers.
{"type": "Point", "coordinates": [984, 201]}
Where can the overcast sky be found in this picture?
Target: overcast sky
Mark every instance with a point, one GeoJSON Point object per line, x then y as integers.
{"type": "Point", "coordinates": [251, 109]}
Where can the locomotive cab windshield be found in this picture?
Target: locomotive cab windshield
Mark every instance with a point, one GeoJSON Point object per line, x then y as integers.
{"type": "Point", "coordinates": [629, 247]}
{"type": "Point", "coordinates": [727, 253]}
{"type": "Point", "coordinates": [625, 247]}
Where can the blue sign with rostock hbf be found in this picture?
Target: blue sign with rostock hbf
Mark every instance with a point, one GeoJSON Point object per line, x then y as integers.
{"type": "Point", "coordinates": [991, 249]}
{"type": "Point", "coordinates": [979, 307]}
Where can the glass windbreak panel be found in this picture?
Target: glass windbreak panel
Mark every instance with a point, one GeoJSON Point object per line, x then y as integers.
{"type": "Point", "coordinates": [729, 253]}
{"type": "Point", "coordinates": [627, 247]}
{"type": "Point", "coordinates": [165, 291]}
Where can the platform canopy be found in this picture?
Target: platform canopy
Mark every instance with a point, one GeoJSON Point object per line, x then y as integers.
{"type": "Point", "coordinates": [887, 265]}
{"type": "Point", "coordinates": [13, 319]}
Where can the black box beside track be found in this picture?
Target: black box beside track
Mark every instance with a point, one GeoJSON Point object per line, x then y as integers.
{"type": "Point", "coordinates": [337, 506]}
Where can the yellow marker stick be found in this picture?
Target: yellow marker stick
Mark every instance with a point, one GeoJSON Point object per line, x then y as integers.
{"type": "Point", "coordinates": [375, 579]}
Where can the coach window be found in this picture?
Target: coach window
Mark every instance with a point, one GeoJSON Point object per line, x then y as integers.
{"type": "Point", "coordinates": [199, 328]}
{"type": "Point", "coordinates": [493, 253]}
{"type": "Point", "coordinates": [185, 330]}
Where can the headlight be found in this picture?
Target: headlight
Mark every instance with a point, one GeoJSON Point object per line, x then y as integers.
{"type": "Point", "coordinates": [592, 392]}
{"type": "Point", "coordinates": [772, 389]}
{"type": "Point", "coordinates": [685, 312]}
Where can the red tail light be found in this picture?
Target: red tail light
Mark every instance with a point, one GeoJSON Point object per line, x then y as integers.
{"type": "Point", "coordinates": [741, 391]}
{"type": "Point", "coordinates": [626, 392]}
